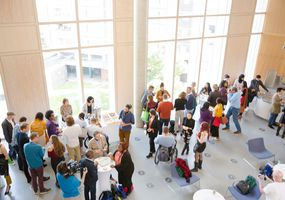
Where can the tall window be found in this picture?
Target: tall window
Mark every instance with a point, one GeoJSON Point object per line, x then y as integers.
{"type": "Point", "coordinates": [3, 106]}
{"type": "Point", "coordinates": [186, 42]}
{"type": "Point", "coordinates": [77, 44]}
{"type": "Point", "coordinates": [257, 27]}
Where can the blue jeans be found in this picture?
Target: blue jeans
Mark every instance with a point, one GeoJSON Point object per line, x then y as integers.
{"type": "Point", "coordinates": [272, 119]}
{"type": "Point", "coordinates": [233, 112]}
{"type": "Point", "coordinates": [90, 189]}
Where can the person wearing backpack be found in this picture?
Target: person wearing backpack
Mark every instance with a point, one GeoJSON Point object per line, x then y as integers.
{"type": "Point", "coordinates": [274, 190]}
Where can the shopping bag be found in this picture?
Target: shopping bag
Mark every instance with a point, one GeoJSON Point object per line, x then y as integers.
{"type": "Point", "coordinates": [144, 116]}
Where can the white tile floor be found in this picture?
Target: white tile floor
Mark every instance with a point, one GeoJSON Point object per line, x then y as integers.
{"type": "Point", "coordinates": [228, 161]}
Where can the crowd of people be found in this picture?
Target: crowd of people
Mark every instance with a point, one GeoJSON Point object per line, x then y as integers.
{"type": "Point", "coordinates": [27, 143]}
{"type": "Point", "coordinates": [85, 140]}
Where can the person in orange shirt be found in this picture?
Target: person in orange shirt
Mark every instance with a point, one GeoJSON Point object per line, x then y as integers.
{"type": "Point", "coordinates": [39, 126]}
{"type": "Point", "coordinates": [161, 92]}
{"type": "Point", "coordinates": [164, 109]}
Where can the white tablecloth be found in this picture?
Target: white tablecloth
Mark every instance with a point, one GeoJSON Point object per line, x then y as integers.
{"type": "Point", "coordinates": [104, 175]}
{"type": "Point", "coordinates": [207, 194]}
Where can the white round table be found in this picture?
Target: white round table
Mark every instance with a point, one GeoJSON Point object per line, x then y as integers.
{"type": "Point", "coordinates": [104, 172]}
{"type": "Point", "coordinates": [207, 194]}
{"type": "Point", "coordinates": [280, 167]}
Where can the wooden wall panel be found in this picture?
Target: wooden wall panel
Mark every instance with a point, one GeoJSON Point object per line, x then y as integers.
{"type": "Point", "coordinates": [16, 11]}
{"type": "Point", "coordinates": [271, 55]}
{"type": "Point", "coordinates": [124, 31]}
{"type": "Point", "coordinates": [124, 76]}
{"type": "Point", "coordinates": [235, 56]}
{"type": "Point", "coordinates": [24, 84]}
{"type": "Point", "coordinates": [18, 38]}
{"type": "Point", "coordinates": [240, 24]}
{"type": "Point", "coordinates": [123, 8]}
{"type": "Point", "coordinates": [243, 6]}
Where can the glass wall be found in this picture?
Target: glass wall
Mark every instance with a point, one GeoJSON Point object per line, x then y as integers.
{"type": "Point", "coordinates": [77, 43]}
{"type": "Point", "coordinates": [257, 27]}
{"type": "Point", "coordinates": [3, 106]}
{"type": "Point", "coordinates": [186, 42]}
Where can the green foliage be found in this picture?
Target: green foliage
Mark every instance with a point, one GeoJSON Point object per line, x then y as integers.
{"type": "Point", "coordinates": [154, 68]}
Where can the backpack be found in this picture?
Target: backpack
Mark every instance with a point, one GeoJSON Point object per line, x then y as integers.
{"type": "Point", "coordinates": [118, 191]}
{"type": "Point", "coordinates": [250, 180]}
{"type": "Point", "coordinates": [106, 195]}
{"type": "Point", "coordinates": [163, 154]}
{"type": "Point", "coordinates": [267, 170]}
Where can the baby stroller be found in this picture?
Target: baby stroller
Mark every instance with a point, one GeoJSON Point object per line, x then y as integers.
{"type": "Point", "coordinates": [165, 154]}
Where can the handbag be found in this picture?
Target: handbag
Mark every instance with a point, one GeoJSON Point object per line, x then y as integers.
{"type": "Point", "coordinates": [224, 120]}
{"type": "Point", "coordinates": [243, 187]}
{"type": "Point", "coordinates": [144, 116]}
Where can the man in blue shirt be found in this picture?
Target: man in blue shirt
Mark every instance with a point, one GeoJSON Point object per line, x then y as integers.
{"type": "Point", "coordinates": [234, 108]}
{"type": "Point", "coordinates": [34, 156]}
{"type": "Point", "coordinates": [127, 119]}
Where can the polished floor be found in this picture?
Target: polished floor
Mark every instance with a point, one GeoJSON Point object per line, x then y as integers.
{"type": "Point", "coordinates": [225, 162]}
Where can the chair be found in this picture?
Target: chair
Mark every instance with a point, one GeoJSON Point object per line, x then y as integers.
{"type": "Point", "coordinates": [253, 195]}
{"type": "Point", "coordinates": [257, 149]}
{"type": "Point", "coordinates": [180, 180]}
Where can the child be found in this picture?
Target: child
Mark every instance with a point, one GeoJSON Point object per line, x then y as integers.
{"type": "Point", "coordinates": [188, 126]}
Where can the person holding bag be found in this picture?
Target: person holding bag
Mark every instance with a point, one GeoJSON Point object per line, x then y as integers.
{"type": "Point", "coordinates": [217, 115]}
{"type": "Point", "coordinates": [151, 131]}
{"type": "Point", "coordinates": [4, 169]}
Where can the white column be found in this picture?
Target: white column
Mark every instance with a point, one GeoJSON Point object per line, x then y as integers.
{"type": "Point", "coordinates": [140, 55]}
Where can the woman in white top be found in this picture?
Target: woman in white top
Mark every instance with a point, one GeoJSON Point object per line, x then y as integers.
{"type": "Point", "coordinates": [239, 82]}
{"type": "Point", "coordinates": [90, 109]}
{"type": "Point", "coordinates": [202, 137]}
{"type": "Point", "coordinates": [71, 134]}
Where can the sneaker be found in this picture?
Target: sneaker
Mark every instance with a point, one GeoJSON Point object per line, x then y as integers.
{"type": "Point", "coordinates": [225, 128]}
{"type": "Point", "coordinates": [46, 190]}
{"type": "Point", "coordinates": [237, 132]}
{"type": "Point", "coordinates": [149, 155]}
{"type": "Point", "coordinates": [46, 178]}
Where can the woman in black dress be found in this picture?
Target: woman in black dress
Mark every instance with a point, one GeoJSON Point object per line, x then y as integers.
{"type": "Point", "coordinates": [125, 167]}
{"type": "Point", "coordinates": [202, 137]}
{"type": "Point", "coordinates": [188, 126]}
{"type": "Point", "coordinates": [152, 130]}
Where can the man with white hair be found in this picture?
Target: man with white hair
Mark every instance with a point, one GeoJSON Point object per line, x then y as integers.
{"type": "Point", "coordinates": [276, 189]}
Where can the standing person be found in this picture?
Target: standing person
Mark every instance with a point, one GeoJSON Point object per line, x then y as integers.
{"type": "Point", "coordinates": [56, 153]}
{"type": "Point", "coordinates": [34, 155]}
{"type": "Point", "coordinates": [254, 87]}
{"type": "Point", "coordinates": [193, 88]}
{"type": "Point", "coordinates": [15, 144]}
{"type": "Point", "coordinates": [239, 82]}
{"type": "Point", "coordinates": [164, 109]}
{"type": "Point", "coordinates": [281, 124]}
{"type": "Point", "coordinates": [71, 134]}
{"type": "Point", "coordinates": [243, 99]}
{"type": "Point", "coordinates": [217, 115]}
{"type": "Point", "coordinates": [274, 190]}
{"type": "Point", "coordinates": [39, 126]}
{"type": "Point", "coordinates": [51, 124]}
{"type": "Point", "coordinates": [214, 95]}
{"type": "Point", "coordinates": [179, 106]}
{"type": "Point", "coordinates": [234, 108]}
{"type": "Point", "coordinates": [7, 127]}
{"type": "Point", "coordinates": [206, 89]}
{"type": "Point", "coordinates": [68, 183]}
{"type": "Point", "coordinates": [4, 167]}
{"type": "Point", "coordinates": [152, 130]}
{"type": "Point", "coordinates": [226, 79]}
{"type": "Point", "coordinates": [98, 145]}
{"type": "Point", "coordinates": [191, 103]}
{"type": "Point", "coordinates": [160, 93]}
{"type": "Point", "coordinates": [146, 94]}
{"type": "Point", "coordinates": [151, 104]}
{"type": "Point", "coordinates": [91, 176]}
{"type": "Point", "coordinates": [205, 113]}
{"type": "Point", "coordinates": [90, 109]}
{"type": "Point", "coordinates": [127, 119]}
{"type": "Point", "coordinates": [22, 140]}
{"type": "Point", "coordinates": [202, 137]}
{"type": "Point", "coordinates": [65, 109]}
{"type": "Point", "coordinates": [188, 126]}
{"type": "Point", "coordinates": [81, 121]}
{"type": "Point", "coordinates": [125, 167]}
{"type": "Point", "coordinates": [224, 91]}
{"type": "Point", "coordinates": [275, 107]}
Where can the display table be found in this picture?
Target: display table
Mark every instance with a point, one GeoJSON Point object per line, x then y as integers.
{"type": "Point", "coordinates": [104, 172]}
{"type": "Point", "coordinates": [207, 194]}
{"type": "Point", "coordinates": [280, 167]}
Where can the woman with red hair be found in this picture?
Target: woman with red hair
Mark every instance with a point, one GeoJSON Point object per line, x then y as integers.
{"type": "Point", "coordinates": [202, 137]}
{"type": "Point", "coordinates": [125, 167]}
